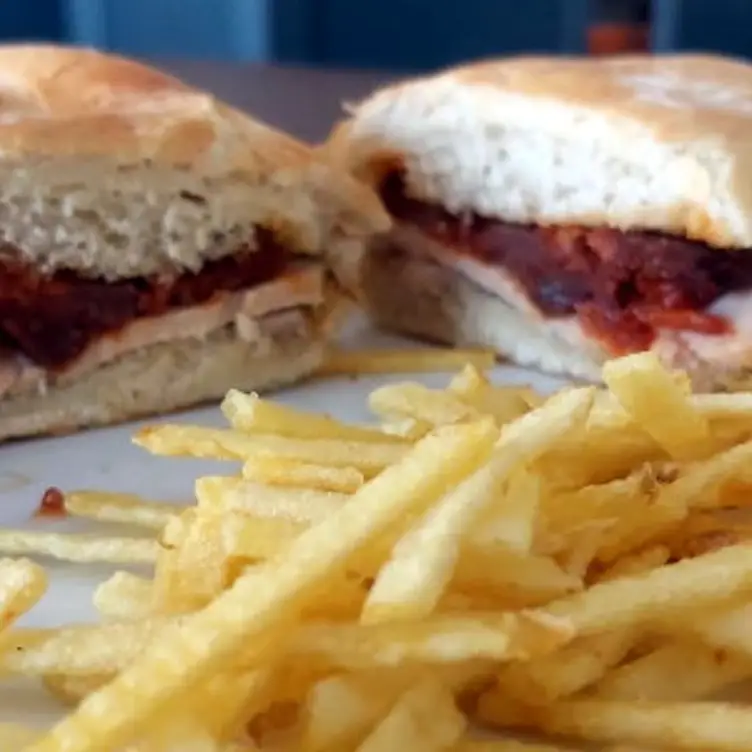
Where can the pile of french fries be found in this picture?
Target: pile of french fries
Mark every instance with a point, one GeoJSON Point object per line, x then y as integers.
{"type": "Point", "coordinates": [575, 568]}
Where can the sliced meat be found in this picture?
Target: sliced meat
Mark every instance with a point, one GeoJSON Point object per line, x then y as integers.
{"type": "Point", "coordinates": [623, 286]}
{"type": "Point", "coordinates": [51, 320]}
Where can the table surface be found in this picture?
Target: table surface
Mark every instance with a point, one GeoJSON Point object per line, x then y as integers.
{"type": "Point", "coordinates": [303, 102]}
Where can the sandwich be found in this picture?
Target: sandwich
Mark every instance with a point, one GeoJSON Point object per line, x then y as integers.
{"type": "Point", "coordinates": [564, 211]}
{"type": "Point", "coordinates": [157, 247]}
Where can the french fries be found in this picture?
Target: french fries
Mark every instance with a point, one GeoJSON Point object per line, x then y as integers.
{"type": "Point", "coordinates": [361, 362]}
{"type": "Point", "coordinates": [83, 549]}
{"type": "Point", "coordinates": [659, 404]}
{"type": "Point", "coordinates": [577, 565]}
{"type": "Point", "coordinates": [251, 414]}
{"type": "Point", "coordinates": [275, 471]}
{"type": "Point", "coordinates": [125, 509]}
{"type": "Point", "coordinates": [369, 457]}
{"type": "Point", "coordinates": [22, 584]}
{"type": "Point", "coordinates": [124, 596]}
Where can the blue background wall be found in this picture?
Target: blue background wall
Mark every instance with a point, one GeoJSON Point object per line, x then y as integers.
{"type": "Point", "coordinates": [420, 33]}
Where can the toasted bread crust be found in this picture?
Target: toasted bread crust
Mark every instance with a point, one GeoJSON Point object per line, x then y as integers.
{"type": "Point", "coordinates": [629, 142]}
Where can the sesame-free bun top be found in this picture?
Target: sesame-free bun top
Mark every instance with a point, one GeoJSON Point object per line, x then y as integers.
{"type": "Point", "coordinates": [115, 169]}
{"type": "Point", "coordinates": [660, 143]}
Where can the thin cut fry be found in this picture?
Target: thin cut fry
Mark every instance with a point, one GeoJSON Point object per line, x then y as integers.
{"type": "Point", "coordinates": [503, 403]}
{"type": "Point", "coordinates": [513, 520]}
{"type": "Point", "coordinates": [417, 402]}
{"type": "Point", "coordinates": [84, 549]}
{"type": "Point", "coordinates": [650, 394]}
{"type": "Point", "coordinates": [341, 709]}
{"type": "Point", "coordinates": [221, 494]}
{"type": "Point", "coordinates": [126, 509]}
{"type": "Point", "coordinates": [22, 584]}
{"type": "Point", "coordinates": [369, 458]}
{"type": "Point", "coordinates": [700, 726]}
{"type": "Point", "coordinates": [251, 414]}
{"type": "Point", "coordinates": [281, 472]}
{"type": "Point", "coordinates": [124, 596]}
{"type": "Point", "coordinates": [678, 671]}
{"type": "Point", "coordinates": [661, 593]}
{"type": "Point", "coordinates": [340, 362]}
{"type": "Point", "coordinates": [424, 719]}
{"type": "Point", "coordinates": [411, 583]}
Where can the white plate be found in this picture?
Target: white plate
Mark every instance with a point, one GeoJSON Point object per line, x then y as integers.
{"type": "Point", "coordinates": [105, 459]}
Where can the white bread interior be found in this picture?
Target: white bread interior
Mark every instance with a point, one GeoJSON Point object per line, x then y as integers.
{"type": "Point", "coordinates": [114, 169]}
{"type": "Point", "coordinates": [650, 142]}
{"type": "Point", "coordinates": [171, 375]}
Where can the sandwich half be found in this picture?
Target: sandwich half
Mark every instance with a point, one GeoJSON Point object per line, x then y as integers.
{"type": "Point", "coordinates": [157, 247]}
{"type": "Point", "coordinates": [564, 211]}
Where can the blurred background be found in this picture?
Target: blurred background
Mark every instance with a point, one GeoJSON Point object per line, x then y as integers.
{"type": "Point", "coordinates": [397, 35]}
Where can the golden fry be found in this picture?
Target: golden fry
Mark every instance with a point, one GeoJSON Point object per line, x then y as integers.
{"type": "Point", "coordinates": [84, 549]}
{"type": "Point", "coordinates": [276, 471]}
{"type": "Point", "coordinates": [22, 584]}
{"type": "Point", "coordinates": [427, 360]}
{"type": "Point", "coordinates": [126, 509]}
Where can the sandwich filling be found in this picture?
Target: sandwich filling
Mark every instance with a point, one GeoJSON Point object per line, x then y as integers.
{"type": "Point", "coordinates": [624, 287]}
{"type": "Point", "coordinates": [56, 325]}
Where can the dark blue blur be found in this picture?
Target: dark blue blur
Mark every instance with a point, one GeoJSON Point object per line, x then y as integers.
{"type": "Point", "coordinates": [385, 34]}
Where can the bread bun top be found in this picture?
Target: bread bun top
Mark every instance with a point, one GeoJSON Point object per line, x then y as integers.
{"type": "Point", "coordinates": [115, 169]}
{"type": "Point", "coordinates": [632, 142]}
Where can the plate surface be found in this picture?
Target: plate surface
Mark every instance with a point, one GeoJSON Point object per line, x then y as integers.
{"type": "Point", "coordinates": [105, 459]}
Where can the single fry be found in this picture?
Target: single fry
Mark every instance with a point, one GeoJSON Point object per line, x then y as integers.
{"type": "Point", "coordinates": [412, 401]}
{"type": "Point", "coordinates": [22, 584]}
{"type": "Point", "coordinates": [370, 458]}
{"type": "Point", "coordinates": [190, 573]}
{"type": "Point", "coordinates": [665, 592]}
{"type": "Point", "coordinates": [79, 651]}
{"type": "Point", "coordinates": [124, 596]}
{"type": "Point", "coordinates": [341, 709]}
{"type": "Point", "coordinates": [700, 726]}
{"type": "Point", "coordinates": [441, 639]}
{"type": "Point", "coordinates": [126, 509]}
{"type": "Point", "coordinates": [567, 671]}
{"type": "Point", "coordinates": [275, 471]}
{"type": "Point", "coordinates": [424, 719]}
{"type": "Point", "coordinates": [83, 549]}
{"type": "Point", "coordinates": [251, 414]}
{"type": "Point", "coordinates": [219, 494]}
{"type": "Point", "coordinates": [261, 602]}
{"type": "Point", "coordinates": [427, 360]}
{"type": "Point", "coordinates": [727, 629]}
{"type": "Point", "coordinates": [407, 428]}
{"type": "Point", "coordinates": [677, 672]}
{"type": "Point", "coordinates": [513, 521]}
{"type": "Point", "coordinates": [504, 404]}
{"type": "Point", "coordinates": [498, 577]}
{"type": "Point", "coordinates": [659, 405]}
